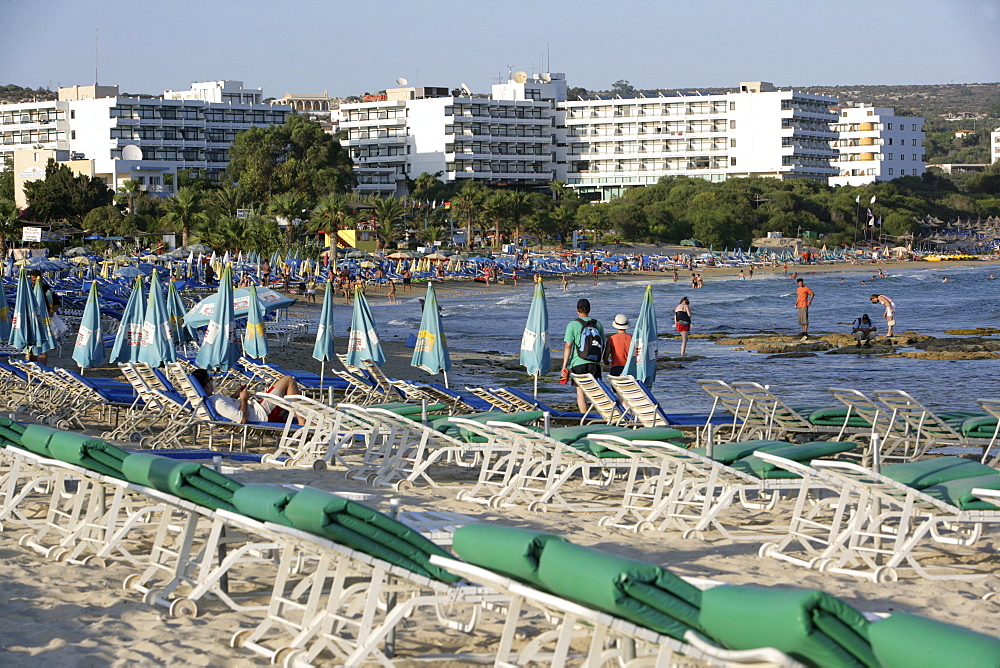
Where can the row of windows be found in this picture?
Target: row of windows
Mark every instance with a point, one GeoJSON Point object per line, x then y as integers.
{"type": "Point", "coordinates": [375, 114]}
{"type": "Point", "coordinates": [376, 133]}
{"type": "Point", "coordinates": [209, 115]}
{"type": "Point", "coordinates": [674, 128]}
{"type": "Point", "coordinates": [613, 110]}
{"type": "Point", "coordinates": [495, 148]}
{"type": "Point", "coordinates": [31, 116]}
{"type": "Point", "coordinates": [32, 136]}
{"type": "Point", "coordinates": [174, 153]}
{"type": "Point", "coordinates": [667, 165]}
{"type": "Point", "coordinates": [493, 111]}
{"type": "Point", "coordinates": [494, 130]}
{"type": "Point", "coordinates": [671, 146]}
{"type": "Point", "coordinates": [498, 167]}
{"type": "Point", "coordinates": [871, 127]}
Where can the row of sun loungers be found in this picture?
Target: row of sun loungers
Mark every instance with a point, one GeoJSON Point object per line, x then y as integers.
{"type": "Point", "coordinates": [321, 578]}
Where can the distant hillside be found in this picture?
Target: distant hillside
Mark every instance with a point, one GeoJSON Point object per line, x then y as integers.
{"type": "Point", "coordinates": [13, 94]}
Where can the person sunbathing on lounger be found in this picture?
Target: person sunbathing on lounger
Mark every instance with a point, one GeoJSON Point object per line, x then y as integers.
{"type": "Point", "coordinates": [241, 408]}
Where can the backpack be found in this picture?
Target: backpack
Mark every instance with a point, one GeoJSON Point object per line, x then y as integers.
{"type": "Point", "coordinates": [591, 346]}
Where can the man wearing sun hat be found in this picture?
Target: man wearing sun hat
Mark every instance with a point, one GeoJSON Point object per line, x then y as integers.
{"type": "Point", "coordinates": [616, 350]}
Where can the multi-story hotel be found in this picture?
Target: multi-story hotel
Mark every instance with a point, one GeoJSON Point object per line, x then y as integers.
{"type": "Point", "coordinates": [119, 138]}
{"type": "Point", "coordinates": [615, 144]}
{"type": "Point", "coordinates": [876, 145]}
{"type": "Point", "coordinates": [995, 146]}
{"type": "Point", "coordinates": [506, 139]}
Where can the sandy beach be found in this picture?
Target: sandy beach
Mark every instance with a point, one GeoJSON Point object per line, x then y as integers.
{"type": "Point", "coordinates": [71, 615]}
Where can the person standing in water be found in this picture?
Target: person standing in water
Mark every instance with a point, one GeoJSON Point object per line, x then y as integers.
{"type": "Point", "coordinates": [682, 322]}
{"type": "Point", "coordinates": [803, 300]}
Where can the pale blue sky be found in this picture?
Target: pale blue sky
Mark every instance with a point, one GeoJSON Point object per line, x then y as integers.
{"type": "Point", "coordinates": [348, 47]}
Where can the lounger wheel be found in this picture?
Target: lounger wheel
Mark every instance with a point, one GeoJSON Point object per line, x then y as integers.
{"type": "Point", "coordinates": [56, 553]}
{"type": "Point", "coordinates": [693, 533]}
{"type": "Point", "coordinates": [992, 596]}
{"type": "Point", "coordinates": [134, 437]}
{"type": "Point", "coordinates": [404, 486]}
{"type": "Point", "coordinates": [461, 495]}
{"type": "Point", "coordinates": [128, 584]}
{"type": "Point", "coordinates": [372, 479]}
{"type": "Point", "coordinates": [148, 442]}
{"type": "Point", "coordinates": [822, 564]}
{"type": "Point", "coordinates": [644, 526]}
{"type": "Point", "coordinates": [183, 607]}
{"type": "Point", "coordinates": [94, 560]}
{"type": "Point", "coordinates": [25, 539]}
{"type": "Point", "coordinates": [495, 501]}
{"type": "Point", "coordinates": [150, 597]}
{"type": "Point", "coordinates": [319, 465]}
{"type": "Point", "coordinates": [537, 507]}
{"type": "Point", "coordinates": [65, 425]}
{"type": "Point", "coordinates": [767, 550]}
{"type": "Point", "coordinates": [885, 575]}
{"type": "Point", "coordinates": [605, 521]}
{"type": "Point", "coordinates": [240, 638]}
{"type": "Point", "coordinates": [285, 656]}
{"type": "Point", "coordinates": [267, 459]}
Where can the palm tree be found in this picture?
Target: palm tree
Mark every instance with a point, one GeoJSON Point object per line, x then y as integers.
{"type": "Point", "coordinates": [184, 212]}
{"type": "Point", "coordinates": [228, 199]}
{"type": "Point", "coordinates": [388, 211]}
{"type": "Point", "coordinates": [223, 233]}
{"type": "Point", "coordinates": [9, 225]}
{"type": "Point", "coordinates": [519, 206]}
{"type": "Point", "coordinates": [288, 206]}
{"type": "Point", "coordinates": [467, 204]}
{"type": "Point", "coordinates": [128, 192]}
{"type": "Point", "coordinates": [495, 207]}
{"type": "Point", "coordinates": [433, 233]}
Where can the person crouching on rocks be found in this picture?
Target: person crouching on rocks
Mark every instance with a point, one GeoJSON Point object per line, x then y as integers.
{"type": "Point", "coordinates": [863, 331]}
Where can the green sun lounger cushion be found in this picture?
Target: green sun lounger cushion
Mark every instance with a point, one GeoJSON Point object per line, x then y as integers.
{"type": "Point", "coordinates": [641, 593]}
{"type": "Point", "coordinates": [10, 432]}
{"type": "Point", "coordinates": [90, 453]}
{"type": "Point", "coordinates": [507, 550]}
{"type": "Point", "coordinates": [410, 410]}
{"type": "Point", "coordinates": [927, 472]}
{"type": "Point", "coordinates": [598, 448]}
{"type": "Point", "coordinates": [366, 530]}
{"type": "Point", "coordinates": [266, 503]}
{"type": "Point", "coordinates": [522, 417]}
{"type": "Point", "coordinates": [903, 641]}
{"type": "Point", "coordinates": [727, 453]}
{"type": "Point", "coordinates": [983, 426]}
{"type": "Point", "coordinates": [36, 439]}
{"type": "Point", "coordinates": [575, 433]}
{"type": "Point", "coordinates": [190, 481]}
{"type": "Point", "coordinates": [834, 417]}
{"type": "Point", "coordinates": [811, 626]}
{"type": "Point", "coordinates": [803, 452]}
{"type": "Point", "coordinates": [959, 492]}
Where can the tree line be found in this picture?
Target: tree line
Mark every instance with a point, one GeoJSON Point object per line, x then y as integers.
{"type": "Point", "coordinates": [298, 174]}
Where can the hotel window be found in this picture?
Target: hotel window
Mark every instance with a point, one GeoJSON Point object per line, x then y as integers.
{"type": "Point", "coordinates": [732, 125]}
{"type": "Point", "coordinates": [890, 171]}
{"type": "Point", "coordinates": [914, 157]}
{"type": "Point", "coordinates": [890, 156]}
{"type": "Point", "coordinates": [914, 127]}
{"type": "Point", "coordinates": [732, 162]}
{"type": "Point", "coordinates": [890, 126]}
{"type": "Point", "coordinates": [72, 134]}
{"type": "Point", "coordinates": [72, 113]}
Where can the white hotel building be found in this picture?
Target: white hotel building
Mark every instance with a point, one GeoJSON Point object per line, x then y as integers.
{"type": "Point", "coordinates": [119, 138]}
{"type": "Point", "coordinates": [506, 139]}
{"type": "Point", "coordinates": [617, 144]}
{"type": "Point", "coordinates": [876, 145]}
{"type": "Point", "coordinates": [526, 134]}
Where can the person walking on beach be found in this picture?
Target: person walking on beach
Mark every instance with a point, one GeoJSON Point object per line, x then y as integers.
{"type": "Point", "coordinates": [616, 351]}
{"type": "Point", "coordinates": [803, 300]}
{"type": "Point", "coordinates": [392, 291]}
{"type": "Point", "coordinates": [584, 348]}
{"type": "Point", "coordinates": [565, 283]}
{"type": "Point", "coordinates": [890, 311]}
{"type": "Point", "coordinates": [407, 279]}
{"type": "Point", "coordinates": [311, 290]}
{"type": "Point", "coordinates": [682, 322]}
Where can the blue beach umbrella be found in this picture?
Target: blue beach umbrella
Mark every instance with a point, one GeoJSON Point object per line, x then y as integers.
{"type": "Point", "coordinates": [24, 332]}
{"type": "Point", "coordinates": [535, 354]}
{"type": "Point", "coordinates": [643, 350]}
{"type": "Point", "coordinates": [182, 333]}
{"type": "Point", "coordinates": [156, 346]}
{"type": "Point", "coordinates": [218, 349]}
{"type": "Point", "coordinates": [129, 336]}
{"type": "Point", "coordinates": [431, 351]}
{"type": "Point", "coordinates": [46, 337]}
{"type": "Point", "coordinates": [5, 315]}
{"type": "Point", "coordinates": [269, 300]}
{"type": "Point", "coordinates": [89, 348]}
{"type": "Point", "coordinates": [323, 349]}
{"type": "Point", "coordinates": [255, 336]}
{"type": "Point", "coordinates": [362, 341]}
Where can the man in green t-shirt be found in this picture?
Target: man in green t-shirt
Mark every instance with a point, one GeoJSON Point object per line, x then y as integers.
{"type": "Point", "coordinates": [573, 361]}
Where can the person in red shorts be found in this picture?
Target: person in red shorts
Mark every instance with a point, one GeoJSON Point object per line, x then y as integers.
{"type": "Point", "coordinates": [682, 322]}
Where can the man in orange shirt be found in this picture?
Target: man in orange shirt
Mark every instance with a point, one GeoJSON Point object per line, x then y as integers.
{"type": "Point", "coordinates": [803, 299]}
{"type": "Point", "coordinates": [616, 352]}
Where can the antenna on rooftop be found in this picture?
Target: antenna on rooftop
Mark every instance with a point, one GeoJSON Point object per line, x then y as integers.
{"type": "Point", "coordinates": [466, 91]}
{"type": "Point", "coordinates": [97, 53]}
{"type": "Point", "coordinates": [545, 77]}
{"type": "Point", "coordinates": [400, 81]}
{"type": "Point", "coordinates": [520, 76]}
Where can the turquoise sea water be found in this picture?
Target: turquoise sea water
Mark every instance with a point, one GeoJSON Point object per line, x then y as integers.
{"type": "Point", "coordinates": [494, 321]}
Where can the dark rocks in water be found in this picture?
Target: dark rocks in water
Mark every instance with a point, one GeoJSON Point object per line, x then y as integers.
{"type": "Point", "coordinates": [661, 365]}
{"type": "Point", "coordinates": [854, 350]}
{"type": "Point", "coordinates": [678, 358]}
{"type": "Point", "coordinates": [967, 344]}
{"type": "Point", "coordinates": [790, 355]}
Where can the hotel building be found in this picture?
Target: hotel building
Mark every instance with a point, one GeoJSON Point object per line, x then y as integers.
{"type": "Point", "coordinates": [874, 144]}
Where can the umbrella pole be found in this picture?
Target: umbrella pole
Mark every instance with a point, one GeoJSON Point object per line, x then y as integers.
{"type": "Point", "coordinates": [445, 378]}
{"type": "Point", "coordinates": [535, 377]}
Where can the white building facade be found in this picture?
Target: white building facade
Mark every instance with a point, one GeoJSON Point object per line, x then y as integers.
{"type": "Point", "coordinates": [617, 144]}
{"type": "Point", "coordinates": [995, 146]}
{"type": "Point", "coordinates": [506, 139]}
{"type": "Point", "coordinates": [146, 139]}
{"type": "Point", "coordinates": [874, 144]}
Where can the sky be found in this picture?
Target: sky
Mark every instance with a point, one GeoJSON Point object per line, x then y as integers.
{"type": "Point", "coordinates": [349, 47]}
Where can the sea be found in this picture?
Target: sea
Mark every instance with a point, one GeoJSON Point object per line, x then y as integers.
{"type": "Point", "coordinates": [492, 321]}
